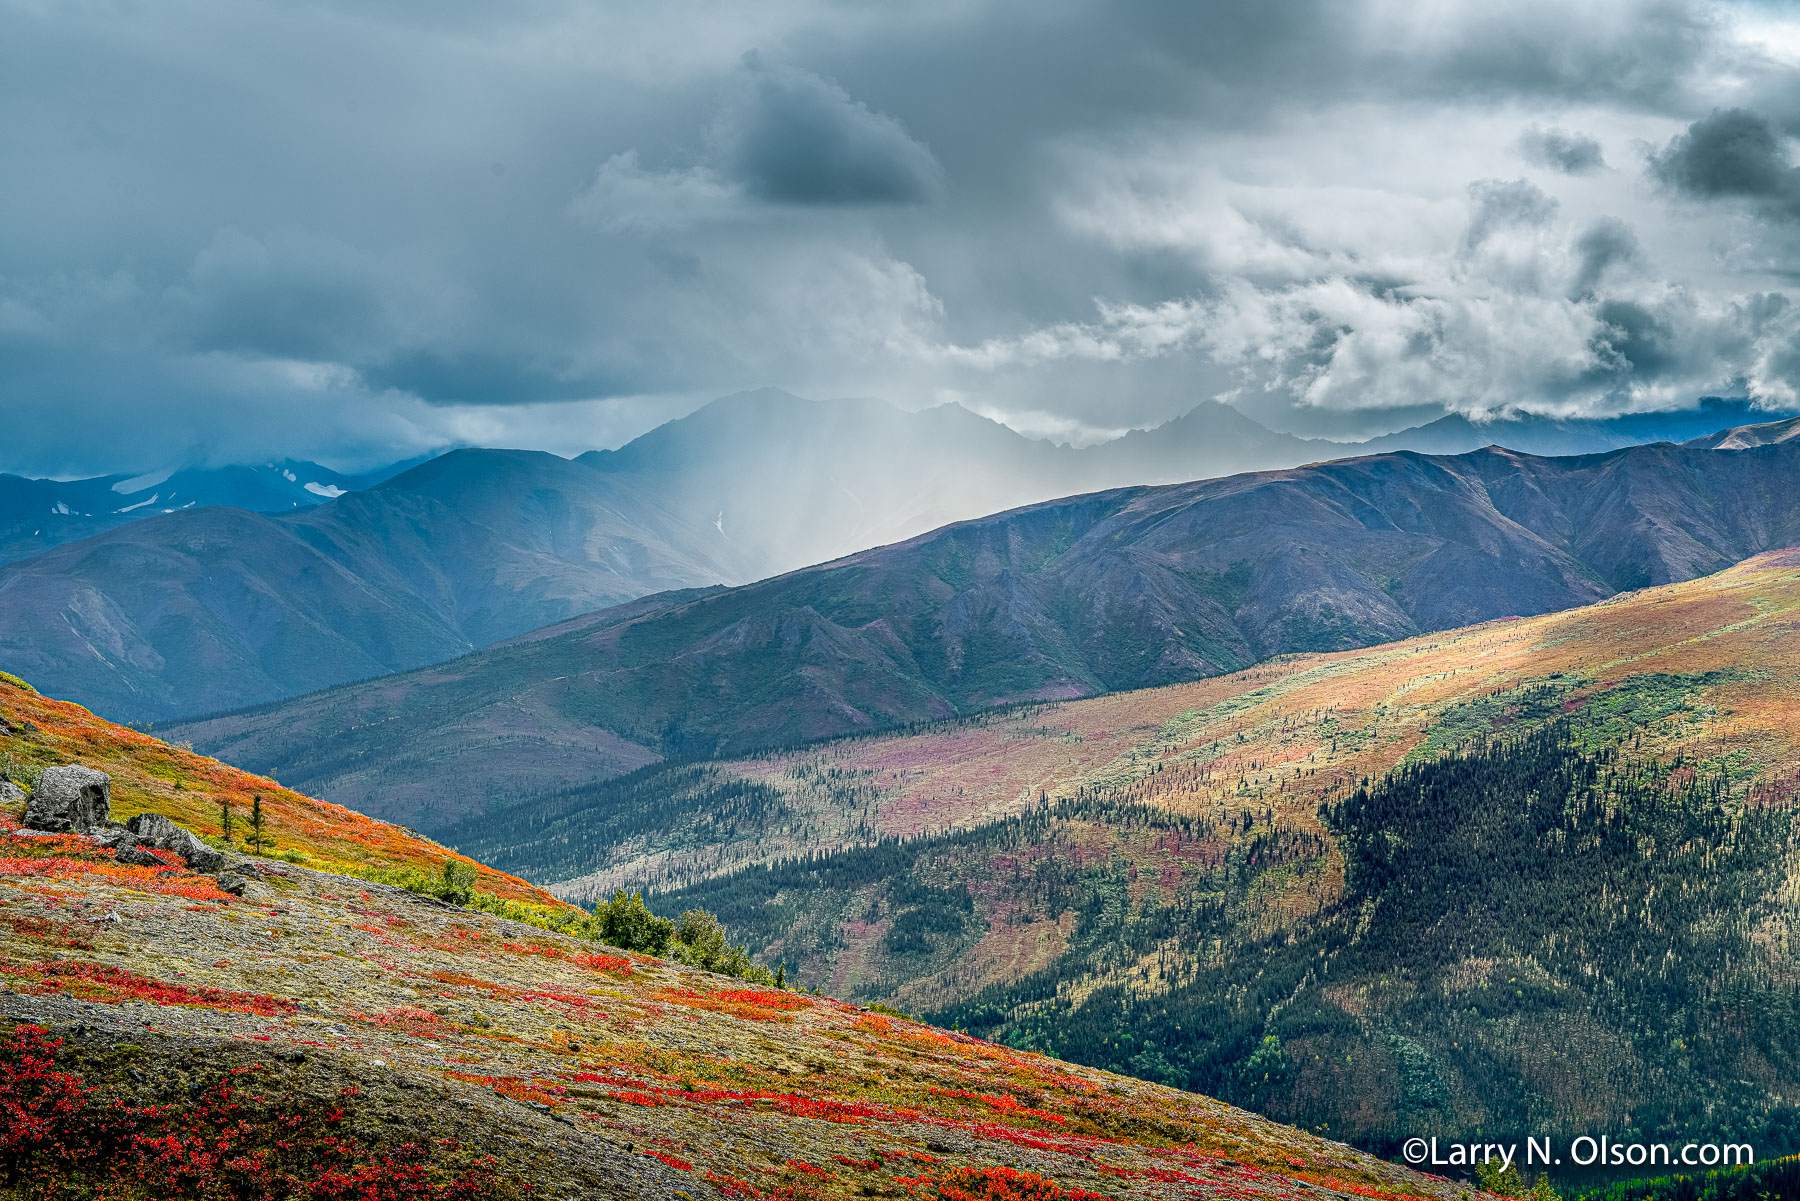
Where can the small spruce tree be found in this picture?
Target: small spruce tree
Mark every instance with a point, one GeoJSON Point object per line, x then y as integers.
{"type": "Point", "coordinates": [456, 884]}
{"type": "Point", "coordinates": [258, 839]}
{"type": "Point", "coordinates": [225, 818]}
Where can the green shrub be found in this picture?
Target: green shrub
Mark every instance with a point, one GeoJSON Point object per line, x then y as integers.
{"type": "Point", "coordinates": [625, 921]}
{"type": "Point", "coordinates": [1509, 1182]}
{"type": "Point", "coordinates": [700, 941]}
{"type": "Point", "coordinates": [697, 938]}
{"type": "Point", "coordinates": [25, 775]}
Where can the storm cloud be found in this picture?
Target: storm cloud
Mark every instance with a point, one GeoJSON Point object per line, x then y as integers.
{"type": "Point", "coordinates": [796, 138]}
{"type": "Point", "coordinates": [1561, 151]}
{"type": "Point", "coordinates": [356, 231]}
{"type": "Point", "coordinates": [1733, 153]}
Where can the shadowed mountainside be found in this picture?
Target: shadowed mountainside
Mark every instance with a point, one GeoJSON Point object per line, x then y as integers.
{"type": "Point", "coordinates": [202, 610]}
{"type": "Point", "coordinates": [37, 514]}
{"type": "Point", "coordinates": [218, 607]}
{"type": "Point", "coordinates": [1109, 591]}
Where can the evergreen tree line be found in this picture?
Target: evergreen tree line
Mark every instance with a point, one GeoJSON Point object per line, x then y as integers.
{"type": "Point", "coordinates": [1522, 902]}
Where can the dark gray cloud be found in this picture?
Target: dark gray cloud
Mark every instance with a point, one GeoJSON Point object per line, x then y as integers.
{"type": "Point", "coordinates": [796, 138]}
{"type": "Point", "coordinates": [1602, 246]}
{"type": "Point", "coordinates": [1562, 151]}
{"type": "Point", "coordinates": [1732, 153]}
{"type": "Point", "coordinates": [1497, 204]}
{"type": "Point", "coordinates": [340, 230]}
{"type": "Point", "coordinates": [1632, 341]}
{"type": "Point", "coordinates": [293, 296]}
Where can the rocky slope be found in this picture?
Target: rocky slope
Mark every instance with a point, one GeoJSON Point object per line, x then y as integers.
{"type": "Point", "coordinates": [324, 1036]}
{"type": "Point", "coordinates": [148, 776]}
{"type": "Point", "coordinates": [1109, 591]}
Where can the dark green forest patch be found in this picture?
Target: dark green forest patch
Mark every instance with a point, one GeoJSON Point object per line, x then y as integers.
{"type": "Point", "coordinates": [1536, 937]}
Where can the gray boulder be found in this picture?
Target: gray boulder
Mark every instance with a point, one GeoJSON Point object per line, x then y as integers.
{"type": "Point", "coordinates": [155, 830]}
{"type": "Point", "coordinates": [69, 798]}
{"type": "Point", "coordinates": [124, 845]}
{"type": "Point", "coordinates": [10, 793]}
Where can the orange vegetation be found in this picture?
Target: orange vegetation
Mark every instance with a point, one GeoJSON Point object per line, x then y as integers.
{"type": "Point", "coordinates": [149, 775]}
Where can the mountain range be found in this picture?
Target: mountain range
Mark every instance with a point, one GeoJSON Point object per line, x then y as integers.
{"type": "Point", "coordinates": [1195, 782]}
{"type": "Point", "coordinates": [1115, 590]}
{"type": "Point", "coordinates": [152, 615]}
{"type": "Point", "coordinates": [222, 606]}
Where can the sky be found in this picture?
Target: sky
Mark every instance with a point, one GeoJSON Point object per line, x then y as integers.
{"type": "Point", "coordinates": [354, 230]}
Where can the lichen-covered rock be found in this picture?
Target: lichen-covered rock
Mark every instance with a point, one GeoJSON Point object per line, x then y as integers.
{"type": "Point", "coordinates": [10, 793]}
{"type": "Point", "coordinates": [69, 798]}
{"type": "Point", "coordinates": [155, 830]}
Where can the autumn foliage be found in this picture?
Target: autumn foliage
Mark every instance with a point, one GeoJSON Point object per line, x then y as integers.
{"type": "Point", "coordinates": [1006, 1184]}
{"type": "Point", "coordinates": [62, 1139]}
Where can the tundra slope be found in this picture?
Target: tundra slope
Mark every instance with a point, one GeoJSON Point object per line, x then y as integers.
{"type": "Point", "coordinates": [1104, 592]}
{"type": "Point", "coordinates": [162, 1037]}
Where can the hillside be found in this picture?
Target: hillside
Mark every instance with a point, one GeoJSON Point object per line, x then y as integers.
{"type": "Point", "coordinates": [151, 776]}
{"type": "Point", "coordinates": [1530, 875]}
{"type": "Point", "coordinates": [216, 607]}
{"type": "Point", "coordinates": [323, 1036]}
{"type": "Point", "coordinates": [1102, 592]}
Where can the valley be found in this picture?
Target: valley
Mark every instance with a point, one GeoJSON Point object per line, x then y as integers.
{"type": "Point", "coordinates": [1236, 884]}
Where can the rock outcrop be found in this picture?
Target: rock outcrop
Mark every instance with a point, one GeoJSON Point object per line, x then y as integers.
{"type": "Point", "coordinates": [155, 830]}
{"type": "Point", "coordinates": [10, 793]}
{"type": "Point", "coordinates": [124, 846]}
{"type": "Point", "coordinates": [69, 798]}
{"type": "Point", "coordinates": [78, 800]}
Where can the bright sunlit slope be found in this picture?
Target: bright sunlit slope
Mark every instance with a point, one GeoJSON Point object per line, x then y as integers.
{"type": "Point", "coordinates": [151, 776]}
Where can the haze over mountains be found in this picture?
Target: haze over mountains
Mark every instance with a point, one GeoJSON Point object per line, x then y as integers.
{"type": "Point", "coordinates": [1115, 590]}
{"type": "Point", "coordinates": [147, 614]}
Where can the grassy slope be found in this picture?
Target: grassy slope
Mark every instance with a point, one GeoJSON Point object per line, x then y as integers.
{"type": "Point", "coordinates": [151, 776]}
{"type": "Point", "coordinates": [1140, 894]}
{"type": "Point", "coordinates": [584, 1073]}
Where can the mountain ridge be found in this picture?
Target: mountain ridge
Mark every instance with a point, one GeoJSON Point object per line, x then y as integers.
{"type": "Point", "coordinates": [1108, 591]}
{"type": "Point", "coordinates": [477, 546]}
